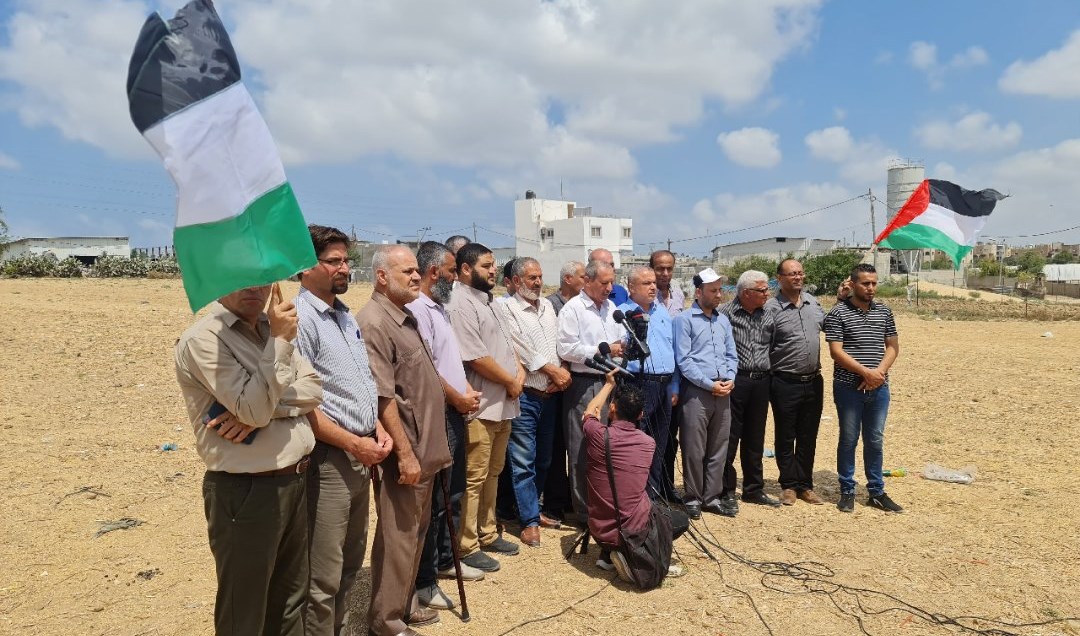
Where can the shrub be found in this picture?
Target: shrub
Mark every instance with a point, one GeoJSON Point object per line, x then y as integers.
{"type": "Point", "coordinates": [70, 267]}
{"type": "Point", "coordinates": [33, 265]}
{"type": "Point", "coordinates": [116, 267]}
{"type": "Point", "coordinates": [166, 266]}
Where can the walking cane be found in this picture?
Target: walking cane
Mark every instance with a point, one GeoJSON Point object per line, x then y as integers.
{"type": "Point", "coordinates": [454, 548]}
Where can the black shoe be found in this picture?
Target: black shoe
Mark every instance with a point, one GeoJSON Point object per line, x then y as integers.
{"type": "Point", "coordinates": [693, 510]}
{"type": "Point", "coordinates": [501, 546]}
{"type": "Point", "coordinates": [882, 502]}
{"type": "Point", "coordinates": [761, 499]}
{"type": "Point", "coordinates": [729, 500]}
{"type": "Point", "coordinates": [846, 503]}
{"type": "Point", "coordinates": [481, 561]}
{"type": "Point", "coordinates": [721, 508]}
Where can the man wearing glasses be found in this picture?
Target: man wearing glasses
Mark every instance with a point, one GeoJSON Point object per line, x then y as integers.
{"type": "Point", "coordinates": [350, 439]}
{"type": "Point", "coordinates": [797, 386]}
{"type": "Point", "coordinates": [752, 328]}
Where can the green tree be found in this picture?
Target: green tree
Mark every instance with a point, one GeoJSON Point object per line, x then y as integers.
{"type": "Point", "coordinates": [1030, 261]}
{"type": "Point", "coordinates": [760, 263]}
{"type": "Point", "coordinates": [989, 267]}
{"type": "Point", "coordinates": [941, 262]}
{"type": "Point", "coordinates": [827, 271]}
{"type": "Point", "coordinates": [1063, 258]}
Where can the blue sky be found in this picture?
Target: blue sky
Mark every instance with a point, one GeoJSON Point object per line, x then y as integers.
{"type": "Point", "coordinates": [700, 120]}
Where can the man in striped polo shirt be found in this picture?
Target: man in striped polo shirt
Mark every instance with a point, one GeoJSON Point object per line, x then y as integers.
{"type": "Point", "coordinates": [349, 437]}
{"type": "Point", "coordinates": [752, 328]}
{"type": "Point", "coordinates": [864, 344]}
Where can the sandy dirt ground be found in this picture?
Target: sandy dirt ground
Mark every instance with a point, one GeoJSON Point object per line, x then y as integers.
{"type": "Point", "coordinates": [88, 397]}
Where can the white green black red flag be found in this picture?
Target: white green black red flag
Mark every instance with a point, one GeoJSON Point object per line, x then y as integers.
{"type": "Point", "coordinates": [238, 223]}
{"type": "Point", "coordinates": [940, 215]}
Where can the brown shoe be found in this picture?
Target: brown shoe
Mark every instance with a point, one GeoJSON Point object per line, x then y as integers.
{"type": "Point", "coordinates": [422, 616]}
{"type": "Point", "coordinates": [810, 497]}
{"type": "Point", "coordinates": [787, 497]}
{"type": "Point", "coordinates": [531, 536]}
{"type": "Point", "coordinates": [548, 522]}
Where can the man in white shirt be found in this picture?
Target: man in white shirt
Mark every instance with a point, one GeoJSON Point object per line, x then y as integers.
{"type": "Point", "coordinates": [584, 322]}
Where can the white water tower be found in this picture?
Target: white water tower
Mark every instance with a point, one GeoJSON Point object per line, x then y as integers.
{"type": "Point", "coordinates": [904, 176]}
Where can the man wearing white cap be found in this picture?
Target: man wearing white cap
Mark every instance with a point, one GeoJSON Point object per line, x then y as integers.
{"type": "Point", "coordinates": [707, 360]}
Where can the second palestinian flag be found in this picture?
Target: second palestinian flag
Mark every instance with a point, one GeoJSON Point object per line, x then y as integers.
{"type": "Point", "coordinates": [940, 215]}
{"type": "Point", "coordinates": [237, 221]}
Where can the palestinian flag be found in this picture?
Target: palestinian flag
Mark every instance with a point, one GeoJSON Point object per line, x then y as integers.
{"type": "Point", "coordinates": [237, 220]}
{"type": "Point", "coordinates": [940, 215]}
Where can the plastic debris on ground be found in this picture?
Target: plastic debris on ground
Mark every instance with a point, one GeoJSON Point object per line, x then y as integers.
{"type": "Point", "coordinates": [964, 475]}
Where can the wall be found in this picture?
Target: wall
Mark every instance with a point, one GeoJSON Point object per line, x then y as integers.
{"type": "Point", "coordinates": [62, 247]}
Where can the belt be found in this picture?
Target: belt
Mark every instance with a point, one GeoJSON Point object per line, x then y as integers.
{"type": "Point", "coordinates": [795, 377]}
{"type": "Point", "coordinates": [753, 375]}
{"type": "Point", "coordinates": [662, 378]}
{"type": "Point", "coordinates": [298, 468]}
{"type": "Point", "coordinates": [537, 393]}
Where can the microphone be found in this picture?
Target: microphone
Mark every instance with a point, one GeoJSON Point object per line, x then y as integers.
{"type": "Point", "coordinates": [598, 366]}
{"type": "Point", "coordinates": [620, 318]}
{"type": "Point", "coordinates": [604, 358]}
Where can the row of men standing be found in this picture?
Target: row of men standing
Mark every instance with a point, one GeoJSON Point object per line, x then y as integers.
{"type": "Point", "coordinates": [434, 372]}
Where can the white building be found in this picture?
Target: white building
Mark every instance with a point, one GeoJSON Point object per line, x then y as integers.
{"type": "Point", "coordinates": [554, 232]}
{"type": "Point", "coordinates": [774, 248]}
{"type": "Point", "coordinates": [85, 248]}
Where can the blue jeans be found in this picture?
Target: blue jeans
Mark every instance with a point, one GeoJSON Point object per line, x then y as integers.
{"type": "Point", "coordinates": [528, 456]}
{"type": "Point", "coordinates": [865, 412]}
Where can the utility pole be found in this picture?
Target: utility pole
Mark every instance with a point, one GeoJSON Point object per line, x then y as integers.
{"type": "Point", "coordinates": [669, 244]}
{"type": "Point", "coordinates": [873, 222]}
{"type": "Point", "coordinates": [474, 231]}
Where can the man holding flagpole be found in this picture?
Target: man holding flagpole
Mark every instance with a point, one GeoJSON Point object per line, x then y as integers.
{"type": "Point", "coordinates": [242, 359]}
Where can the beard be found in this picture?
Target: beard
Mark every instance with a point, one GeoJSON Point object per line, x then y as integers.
{"type": "Point", "coordinates": [480, 283]}
{"type": "Point", "coordinates": [528, 294]}
{"type": "Point", "coordinates": [441, 289]}
{"type": "Point", "coordinates": [339, 286]}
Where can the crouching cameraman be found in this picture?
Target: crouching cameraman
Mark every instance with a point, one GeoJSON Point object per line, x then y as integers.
{"type": "Point", "coordinates": [634, 534]}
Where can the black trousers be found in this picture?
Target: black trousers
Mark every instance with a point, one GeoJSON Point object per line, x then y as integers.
{"type": "Point", "coordinates": [656, 423]}
{"type": "Point", "coordinates": [797, 416]}
{"type": "Point", "coordinates": [438, 554]}
{"type": "Point", "coordinates": [556, 499]}
{"type": "Point", "coordinates": [749, 409]}
{"type": "Point", "coordinates": [671, 450]}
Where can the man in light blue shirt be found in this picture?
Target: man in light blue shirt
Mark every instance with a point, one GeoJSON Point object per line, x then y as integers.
{"type": "Point", "coordinates": [660, 379]}
{"type": "Point", "coordinates": [349, 438]}
{"type": "Point", "coordinates": [706, 357]}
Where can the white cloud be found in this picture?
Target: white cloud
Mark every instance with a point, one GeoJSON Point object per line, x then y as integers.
{"type": "Point", "coordinates": [833, 144]}
{"type": "Point", "coordinates": [839, 114]}
{"type": "Point", "coordinates": [972, 56]}
{"type": "Point", "coordinates": [728, 213]}
{"type": "Point", "coordinates": [859, 161]}
{"type": "Point", "coordinates": [1052, 75]}
{"type": "Point", "coordinates": [752, 147]}
{"type": "Point", "coordinates": [924, 57]}
{"type": "Point", "coordinates": [69, 60]}
{"type": "Point", "coordinates": [973, 131]}
{"type": "Point", "coordinates": [7, 162]}
{"type": "Point", "coordinates": [469, 86]}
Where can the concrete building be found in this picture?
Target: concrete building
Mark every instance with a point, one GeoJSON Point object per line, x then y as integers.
{"type": "Point", "coordinates": [774, 248]}
{"type": "Point", "coordinates": [554, 232]}
{"type": "Point", "coordinates": [85, 248]}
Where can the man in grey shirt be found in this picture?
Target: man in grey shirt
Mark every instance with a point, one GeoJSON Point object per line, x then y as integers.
{"type": "Point", "coordinates": [797, 387]}
{"type": "Point", "coordinates": [752, 328]}
{"type": "Point", "coordinates": [349, 437]}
